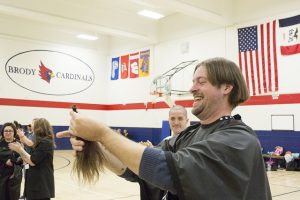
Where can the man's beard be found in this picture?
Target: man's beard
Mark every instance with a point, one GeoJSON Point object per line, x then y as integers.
{"type": "Point", "coordinates": [198, 110]}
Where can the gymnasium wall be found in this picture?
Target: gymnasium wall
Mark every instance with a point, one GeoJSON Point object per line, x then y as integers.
{"type": "Point", "coordinates": [126, 103]}
{"type": "Point", "coordinates": [257, 112]}
{"type": "Point", "coordinates": [24, 96]}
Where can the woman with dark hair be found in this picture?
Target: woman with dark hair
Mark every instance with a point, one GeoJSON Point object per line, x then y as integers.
{"type": "Point", "coordinates": [10, 165]}
{"type": "Point", "coordinates": [40, 161]}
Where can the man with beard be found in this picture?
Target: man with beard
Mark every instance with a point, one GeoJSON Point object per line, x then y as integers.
{"type": "Point", "coordinates": [178, 121]}
{"type": "Point", "coordinates": [219, 158]}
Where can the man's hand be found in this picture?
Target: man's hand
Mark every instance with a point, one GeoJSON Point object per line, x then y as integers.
{"type": "Point", "coordinates": [84, 127]}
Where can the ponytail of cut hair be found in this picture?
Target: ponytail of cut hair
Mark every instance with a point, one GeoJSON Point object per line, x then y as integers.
{"type": "Point", "coordinates": [89, 163]}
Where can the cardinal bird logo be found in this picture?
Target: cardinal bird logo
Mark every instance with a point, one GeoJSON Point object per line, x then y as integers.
{"type": "Point", "coordinates": [45, 73]}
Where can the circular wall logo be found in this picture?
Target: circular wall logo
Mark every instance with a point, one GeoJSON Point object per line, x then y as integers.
{"type": "Point", "coordinates": [49, 72]}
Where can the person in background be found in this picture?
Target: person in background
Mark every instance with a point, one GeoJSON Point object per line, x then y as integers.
{"type": "Point", "coordinates": [10, 165]}
{"type": "Point", "coordinates": [27, 140]}
{"type": "Point", "coordinates": [18, 127]}
{"type": "Point", "coordinates": [218, 158]}
{"type": "Point", "coordinates": [29, 132]}
{"type": "Point", "coordinates": [178, 121]}
{"type": "Point", "coordinates": [17, 124]}
{"type": "Point", "coordinates": [125, 132]}
{"type": "Point", "coordinates": [40, 162]}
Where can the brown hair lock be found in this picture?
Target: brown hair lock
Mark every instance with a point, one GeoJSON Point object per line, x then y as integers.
{"type": "Point", "coordinates": [89, 163]}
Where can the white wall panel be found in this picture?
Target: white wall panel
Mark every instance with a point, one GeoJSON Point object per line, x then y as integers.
{"type": "Point", "coordinates": [95, 94]}
{"type": "Point", "coordinates": [259, 117]}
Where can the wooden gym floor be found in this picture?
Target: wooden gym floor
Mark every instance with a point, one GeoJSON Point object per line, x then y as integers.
{"type": "Point", "coordinates": [284, 185]}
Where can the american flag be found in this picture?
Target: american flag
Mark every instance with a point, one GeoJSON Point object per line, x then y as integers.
{"type": "Point", "coordinates": [258, 58]}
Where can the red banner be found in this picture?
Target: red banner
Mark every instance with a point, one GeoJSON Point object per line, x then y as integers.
{"type": "Point", "coordinates": [124, 66]}
{"type": "Point", "coordinates": [134, 65]}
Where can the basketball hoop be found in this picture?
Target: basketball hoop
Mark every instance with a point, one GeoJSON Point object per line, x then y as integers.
{"type": "Point", "coordinates": [161, 85]}
{"type": "Point", "coordinates": [156, 93]}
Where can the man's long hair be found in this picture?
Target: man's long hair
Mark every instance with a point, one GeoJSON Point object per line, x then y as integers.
{"type": "Point", "coordinates": [222, 71]}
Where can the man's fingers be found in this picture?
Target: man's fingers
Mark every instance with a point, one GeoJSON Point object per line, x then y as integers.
{"type": "Point", "coordinates": [73, 114]}
{"type": "Point", "coordinates": [72, 121]}
{"type": "Point", "coordinates": [77, 148]}
{"type": "Point", "coordinates": [76, 142]}
{"type": "Point", "coordinates": [74, 153]}
{"type": "Point", "coordinates": [63, 134]}
{"type": "Point", "coordinates": [77, 145]}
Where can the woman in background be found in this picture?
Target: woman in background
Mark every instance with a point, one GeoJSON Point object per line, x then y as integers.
{"type": "Point", "coordinates": [10, 165]}
{"type": "Point", "coordinates": [27, 141]}
{"type": "Point", "coordinates": [39, 182]}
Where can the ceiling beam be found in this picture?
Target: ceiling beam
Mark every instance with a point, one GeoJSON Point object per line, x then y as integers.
{"type": "Point", "coordinates": [66, 22]}
{"type": "Point", "coordinates": [187, 9]}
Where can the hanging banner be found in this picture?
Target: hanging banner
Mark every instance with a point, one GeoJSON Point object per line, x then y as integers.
{"type": "Point", "coordinates": [144, 66]}
{"type": "Point", "coordinates": [134, 65]}
{"type": "Point", "coordinates": [124, 66]}
{"type": "Point", "coordinates": [115, 68]}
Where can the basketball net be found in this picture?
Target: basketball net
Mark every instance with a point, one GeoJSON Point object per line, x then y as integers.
{"type": "Point", "coordinates": [160, 90]}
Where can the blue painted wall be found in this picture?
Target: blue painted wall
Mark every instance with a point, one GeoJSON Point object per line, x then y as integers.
{"type": "Point", "coordinates": [289, 140]}
{"type": "Point", "coordinates": [62, 143]}
{"type": "Point", "coordinates": [143, 134]}
{"type": "Point", "coordinates": [134, 133]}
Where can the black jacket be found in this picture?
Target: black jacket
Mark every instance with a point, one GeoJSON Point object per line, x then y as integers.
{"type": "Point", "coordinates": [39, 182]}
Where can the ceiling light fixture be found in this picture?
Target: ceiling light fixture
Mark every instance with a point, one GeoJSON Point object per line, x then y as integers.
{"type": "Point", "coordinates": [150, 14]}
{"type": "Point", "coordinates": [87, 37]}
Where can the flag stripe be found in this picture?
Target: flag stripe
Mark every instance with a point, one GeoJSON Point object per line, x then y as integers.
{"type": "Point", "coordinates": [269, 58]}
{"type": "Point", "coordinates": [263, 57]}
{"type": "Point", "coordinates": [275, 56]}
{"type": "Point", "coordinates": [252, 74]}
{"type": "Point", "coordinates": [246, 69]}
{"type": "Point", "coordinates": [258, 72]}
{"type": "Point", "coordinates": [289, 50]}
{"type": "Point", "coordinates": [240, 62]}
{"type": "Point", "coordinates": [289, 21]}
